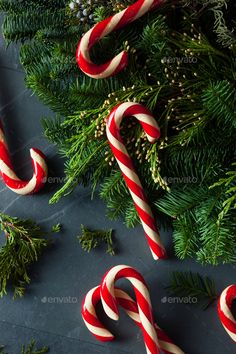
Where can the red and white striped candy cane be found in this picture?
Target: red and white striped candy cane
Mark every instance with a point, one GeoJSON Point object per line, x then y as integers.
{"type": "Point", "coordinates": [125, 163]}
{"type": "Point", "coordinates": [129, 305]}
{"type": "Point", "coordinates": [110, 304]}
{"type": "Point", "coordinates": [10, 178]}
{"type": "Point", "coordinates": [224, 309]}
{"type": "Point", "coordinates": [102, 29]}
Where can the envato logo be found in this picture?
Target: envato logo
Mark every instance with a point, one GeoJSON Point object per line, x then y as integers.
{"type": "Point", "coordinates": [60, 300]}
{"type": "Point", "coordinates": [179, 60]}
{"type": "Point", "coordinates": [54, 180]}
{"type": "Point", "coordinates": [176, 180]}
{"type": "Point", "coordinates": [179, 300]}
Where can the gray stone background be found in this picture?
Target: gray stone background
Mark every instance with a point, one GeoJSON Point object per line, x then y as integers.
{"type": "Point", "coordinates": [66, 271]}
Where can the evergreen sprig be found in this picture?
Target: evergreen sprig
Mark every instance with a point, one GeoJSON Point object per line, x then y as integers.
{"type": "Point", "coordinates": [31, 348]}
{"type": "Point", "coordinates": [195, 286]}
{"type": "Point", "coordinates": [23, 245]}
{"type": "Point", "coordinates": [229, 181]}
{"type": "Point", "coordinates": [198, 228]}
{"type": "Point", "coordinates": [92, 239]}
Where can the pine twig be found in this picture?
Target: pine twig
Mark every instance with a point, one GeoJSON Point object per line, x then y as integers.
{"type": "Point", "coordinates": [229, 181]}
{"type": "Point", "coordinates": [92, 239]}
{"type": "Point", "coordinates": [193, 285]}
{"type": "Point", "coordinates": [30, 349]}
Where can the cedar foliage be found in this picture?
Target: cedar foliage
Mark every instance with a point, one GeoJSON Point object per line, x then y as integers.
{"type": "Point", "coordinates": [90, 239]}
{"type": "Point", "coordinates": [182, 67]}
{"type": "Point", "coordinates": [24, 244]}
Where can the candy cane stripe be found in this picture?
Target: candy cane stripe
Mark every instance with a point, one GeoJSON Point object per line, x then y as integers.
{"type": "Point", "coordinates": [9, 177]}
{"type": "Point", "coordinates": [224, 309]}
{"type": "Point", "coordinates": [125, 163]}
{"type": "Point", "coordinates": [102, 29]}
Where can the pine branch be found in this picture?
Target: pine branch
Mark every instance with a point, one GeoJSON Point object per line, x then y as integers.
{"type": "Point", "coordinates": [23, 246]}
{"type": "Point", "coordinates": [229, 181]}
{"type": "Point", "coordinates": [131, 215]}
{"type": "Point", "coordinates": [31, 349]}
{"type": "Point", "coordinates": [185, 235]}
{"type": "Point", "coordinates": [17, 27]}
{"type": "Point", "coordinates": [182, 199]}
{"type": "Point", "coordinates": [217, 239]}
{"type": "Point", "coordinates": [93, 239]}
{"type": "Point", "coordinates": [114, 184]}
{"type": "Point", "coordinates": [195, 286]}
{"type": "Point", "coordinates": [55, 133]}
{"type": "Point", "coordinates": [220, 100]}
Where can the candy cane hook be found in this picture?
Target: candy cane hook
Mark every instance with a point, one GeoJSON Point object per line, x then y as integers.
{"type": "Point", "coordinates": [224, 309]}
{"type": "Point", "coordinates": [94, 325]}
{"type": "Point", "coordinates": [152, 131]}
{"type": "Point", "coordinates": [10, 178]}
{"type": "Point", "coordinates": [102, 29]}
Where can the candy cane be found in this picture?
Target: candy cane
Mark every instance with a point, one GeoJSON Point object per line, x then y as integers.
{"type": "Point", "coordinates": [94, 325]}
{"type": "Point", "coordinates": [152, 131]}
{"type": "Point", "coordinates": [224, 309]}
{"type": "Point", "coordinates": [129, 305]}
{"type": "Point", "coordinates": [102, 29]}
{"type": "Point", "coordinates": [10, 178]}
{"type": "Point", "coordinates": [110, 304]}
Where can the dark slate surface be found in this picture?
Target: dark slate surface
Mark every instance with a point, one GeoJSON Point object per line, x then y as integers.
{"type": "Point", "coordinates": [50, 311]}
